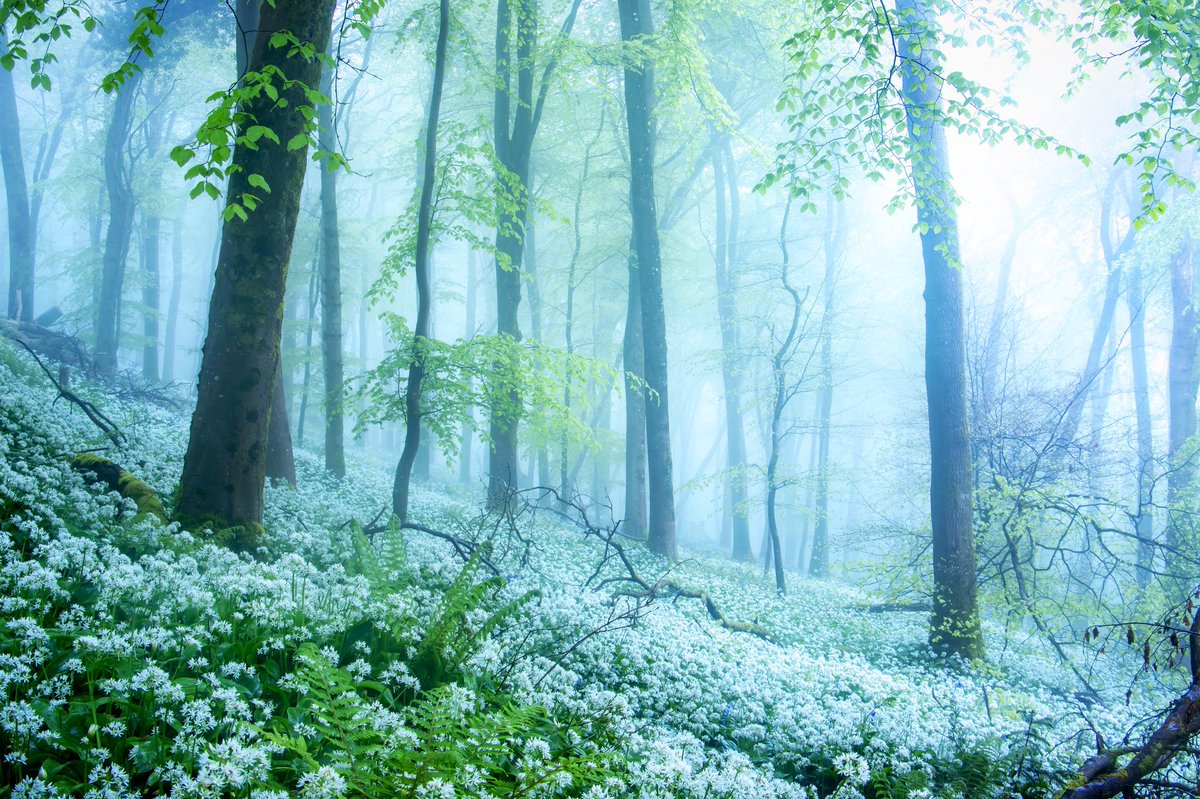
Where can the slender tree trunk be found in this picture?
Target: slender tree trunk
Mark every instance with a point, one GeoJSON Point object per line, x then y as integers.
{"type": "Point", "coordinates": [225, 465]}
{"type": "Point", "coordinates": [331, 294]}
{"type": "Point", "coordinates": [416, 369]}
{"type": "Point", "coordinates": [1136, 298]}
{"type": "Point", "coordinates": [834, 236]}
{"type": "Point", "coordinates": [779, 401]}
{"type": "Point", "coordinates": [172, 333]}
{"type": "Point", "coordinates": [639, 92]}
{"type": "Point", "coordinates": [515, 127]}
{"type": "Point", "coordinates": [467, 437]}
{"type": "Point", "coordinates": [151, 289]}
{"type": "Point", "coordinates": [954, 627]}
{"type": "Point", "coordinates": [20, 223]}
{"type": "Point", "coordinates": [281, 460]}
{"type": "Point", "coordinates": [1181, 385]}
{"type": "Point", "coordinates": [119, 182]}
{"type": "Point", "coordinates": [726, 268]}
{"type": "Point", "coordinates": [314, 277]}
{"type": "Point", "coordinates": [636, 522]}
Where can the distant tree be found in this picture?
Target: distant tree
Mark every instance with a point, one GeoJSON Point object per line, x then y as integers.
{"type": "Point", "coordinates": [225, 464]}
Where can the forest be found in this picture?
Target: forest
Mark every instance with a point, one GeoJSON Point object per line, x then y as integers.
{"type": "Point", "coordinates": [647, 399]}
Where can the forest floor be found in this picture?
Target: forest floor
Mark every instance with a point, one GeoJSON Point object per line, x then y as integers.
{"type": "Point", "coordinates": [139, 658]}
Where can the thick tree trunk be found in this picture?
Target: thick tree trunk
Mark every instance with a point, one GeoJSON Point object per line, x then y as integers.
{"type": "Point", "coordinates": [416, 369]}
{"type": "Point", "coordinates": [119, 183]}
{"type": "Point", "coordinates": [954, 626]}
{"type": "Point", "coordinates": [16, 191]}
{"type": "Point", "coordinates": [1182, 382]}
{"type": "Point", "coordinates": [635, 23]}
{"type": "Point", "coordinates": [331, 294]}
{"type": "Point", "coordinates": [726, 269]}
{"type": "Point", "coordinates": [151, 226]}
{"type": "Point", "coordinates": [225, 465]}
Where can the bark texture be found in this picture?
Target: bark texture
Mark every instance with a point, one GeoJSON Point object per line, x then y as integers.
{"type": "Point", "coordinates": [225, 465]}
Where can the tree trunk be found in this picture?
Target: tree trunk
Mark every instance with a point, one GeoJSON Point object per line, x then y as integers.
{"type": "Point", "coordinates": [224, 469]}
{"type": "Point", "coordinates": [1136, 299]}
{"type": "Point", "coordinates": [467, 437]}
{"type": "Point", "coordinates": [416, 369]}
{"type": "Point", "coordinates": [151, 226]}
{"type": "Point", "coordinates": [639, 82]}
{"type": "Point", "coordinates": [514, 130]}
{"type": "Point", "coordinates": [1181, 386]}
{"type": "Point", "coordinates": [954, 625]}
{"type": "Point", "coordinates": [119, 183]}
{"type": "Point", "coordinates": [835, 231]}
{"type": "Point", "coordinates": [20, 223]}
{"type": "Point", "coordinates": [331, 293]}
{"type": "Point", "coordinates": [635, 409]}
{"type": "Point", "coordinates": [172, 333]}
{"type": "Point", "coordinates": [281, 460]}
{"type": "Point", "coordinates": [726, 268]}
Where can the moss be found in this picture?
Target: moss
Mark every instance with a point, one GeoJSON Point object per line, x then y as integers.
{"type": "Point", "coordinates": [121, 481]}
{"type": "Point", "coordinates": [242, 538]}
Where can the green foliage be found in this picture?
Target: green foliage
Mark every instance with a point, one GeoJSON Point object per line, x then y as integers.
{"type": "Point", "coordinates": [39, 24]}
{"type": "Point", "coordinates": [483, 746]}
{"type": "Point", "coordinates": [844, 104]}
{"type": "Point", "coordinates": [1156, 41]}
{"type": "Point", "coordinates": [485, 372]}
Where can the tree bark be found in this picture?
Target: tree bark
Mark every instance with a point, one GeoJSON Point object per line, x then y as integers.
{"type": "Point", "coordinates": [1136, 298]}
{"type": "Point", "coordinates": [225, 465]}
{"type": "Point", "coordinates": [281, 459]}
{"type": "Point", "coordinates": [639, 92]}
{"type": "Point", "coordinates": [954, 625]}
{"type": "Point", "coordinates": [331, 294]}
{"type": "Point", "coordinates": [16, 190]}
{"type": "Point", "coordinates": [416, 369]}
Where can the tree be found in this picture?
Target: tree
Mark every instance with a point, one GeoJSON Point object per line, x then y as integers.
{"type": "Point", "coordinates": [835, 232]}
{"type": "Point", "coordinates": [725, 258]}
{"type": "Point", "coordinates": [224, 467]}
{"type": "Point", "coordinates": [417, 366]}
{"type": "Point", "coordinates": [20, 224]}
{"type": "Point", "coordinates": [639, 83]}
{"type": "Point", "coordinates": [515, 128]}
{"type": "Point", "coordinates": [331, 290]}
{"type": "Point", "coordinates": [954, 625]}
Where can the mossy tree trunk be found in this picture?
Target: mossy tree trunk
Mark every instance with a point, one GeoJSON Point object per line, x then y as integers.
{"type": "Point", "coordinates": [225, 465]}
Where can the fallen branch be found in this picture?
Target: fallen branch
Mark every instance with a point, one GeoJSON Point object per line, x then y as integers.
{"type": "Point", "coordinates": [1101, 777]}
{"type": "Point", "coordinates": [106, 425]}
{"type": "Point", "coordinates": [614, 550]}
{"type": "Point", "coordinates": [465, 549]}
